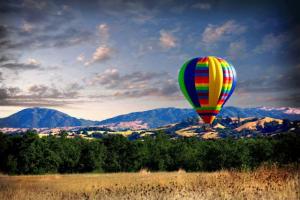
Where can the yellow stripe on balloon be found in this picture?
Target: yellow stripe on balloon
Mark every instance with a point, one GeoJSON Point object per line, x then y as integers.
{"type": "Point", "coordinates": [219, 79]}
{"type": "Point", "coordinates": [227, 86]}
{"type": "Point", "coordinates": [211, 70]}
{"type": "Point", "coordinates": [215, 80]}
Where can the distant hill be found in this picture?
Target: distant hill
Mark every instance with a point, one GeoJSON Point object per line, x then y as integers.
{"type": "Point", "coordinates": [164, 116]}
{"type": "Point", "coordinates": [153, 118]}
{"type": "Point", "coordinates": [49, 118]}
{"type": "Point", "coordinates": [40, 118]}
{"type": "Point", "coordinates": [259, 112]}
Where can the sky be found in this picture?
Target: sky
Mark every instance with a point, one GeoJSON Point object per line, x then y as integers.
{"type": "Point", "coordinates": [99, 59]}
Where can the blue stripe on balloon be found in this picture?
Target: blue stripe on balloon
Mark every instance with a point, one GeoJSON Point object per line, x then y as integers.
{"type": "Point", "coordinates": [202, 74]}
{"type": "Point", "coordinates": [189, 80]}
{"type": "Point", "coordinates": [201, 70]}
{"type": "Point", "coordinates": [207, 114]}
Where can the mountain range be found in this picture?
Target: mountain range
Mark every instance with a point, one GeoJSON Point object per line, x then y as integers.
{"type": "Point", "coordinates": [49, 118]}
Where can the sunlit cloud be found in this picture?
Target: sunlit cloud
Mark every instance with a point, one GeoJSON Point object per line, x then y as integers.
{"type": "Point", "coordinates": [167, 40]}
{"type": "Point", "coordinates": [102, 53]}
{"type": "Point", "coordinates": [214, 33]}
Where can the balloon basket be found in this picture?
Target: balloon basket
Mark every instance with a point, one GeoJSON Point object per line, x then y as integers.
{"type": "Point", "coordinates": [207, 127]}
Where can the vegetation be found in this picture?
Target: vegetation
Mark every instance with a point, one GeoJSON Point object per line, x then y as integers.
{"type": "Point", "coordinates": [29, 154]}
{"type": "Point", "coordinates": [263, 183]}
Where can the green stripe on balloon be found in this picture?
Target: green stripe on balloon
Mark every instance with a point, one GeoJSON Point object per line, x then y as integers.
{"type": "Point", "coordinates": [182, 84]}
{"type": "Point", "coordinates": [209, 108]}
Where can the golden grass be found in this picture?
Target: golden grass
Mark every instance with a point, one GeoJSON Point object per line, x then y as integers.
{"type": "Point", "coordinates": [260, 184]}
{"type": "Point", "coordinates": [210, 135]}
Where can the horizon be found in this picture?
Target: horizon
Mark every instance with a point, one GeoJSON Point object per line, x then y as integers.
{"type": "Point", "coordinates": [97, 60]}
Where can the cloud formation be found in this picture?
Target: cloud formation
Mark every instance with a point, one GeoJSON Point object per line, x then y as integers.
{"type": "Point", "coordinates": [11, 62]}
{"type": "Point", "coordinates": [104, 32]}
{"type": "Point", "coordinates": [271, 43]}
{"type": "Point", "coordinates": [27, 27]}
{"type": "Point", "coordinates": [167, 40]}
{"type": "Point", "coordinates": [102, 53]}
{"type": "Point", "coordinates": [39, 95]}
{"type": "Point", "coordinates": [237, 49]}
{"type": "Point", "coordinates": [80, 58]}
{"type": "Point", "coordinates": [137, 84]}
{"type": "Point", "coordinates": [112, 79]}
{"type": "Point", "coordinates": [202, 6]}
{"type": "Point", "coordinates": [19, 66]}
{"type": "Point", "coordinates": [215, 33]}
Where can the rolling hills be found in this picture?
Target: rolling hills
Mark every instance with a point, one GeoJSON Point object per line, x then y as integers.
{"type": "Point", "coordinates": [49, 118]}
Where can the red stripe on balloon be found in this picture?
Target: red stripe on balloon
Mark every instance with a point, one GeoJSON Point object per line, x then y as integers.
{"type": "Point", "coordinates": [207, 111]}
{"type": "Point", "coordinates": [201, 79]}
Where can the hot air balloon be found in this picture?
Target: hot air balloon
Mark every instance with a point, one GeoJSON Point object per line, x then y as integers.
{"type": "Point", "coordinates": [207, 83]}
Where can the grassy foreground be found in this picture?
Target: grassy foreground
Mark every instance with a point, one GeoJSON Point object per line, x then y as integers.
{"type": "Point", "coordinates": [260, 184]}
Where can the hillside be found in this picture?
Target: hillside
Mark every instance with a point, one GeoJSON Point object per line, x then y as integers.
{"type": "Point", "coordinates": [153, 118]}
{"type": "Point", "coordinates": [41, 117]}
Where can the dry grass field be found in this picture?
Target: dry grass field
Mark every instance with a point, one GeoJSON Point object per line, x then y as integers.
{"type": "Point", "coordinates": [261, 184]}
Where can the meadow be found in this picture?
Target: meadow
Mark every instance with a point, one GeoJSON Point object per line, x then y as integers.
{"type": "Point", "coordinates": [263, 183]}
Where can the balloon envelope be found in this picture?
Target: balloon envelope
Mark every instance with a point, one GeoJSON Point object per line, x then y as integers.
{"type": "Point", "coordinates": [207, 83]}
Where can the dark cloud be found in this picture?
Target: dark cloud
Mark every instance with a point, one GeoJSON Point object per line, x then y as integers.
{"type": "Point", "coordinates": [112, 79]}
{"type": "Point", "coordinates": [39, 95]}
{"type": "Point", "coordinates": [292, 99]}
{"type": "Point", "coordinates": [277, 82]}
{"type": "Point", "coordinates": [11, 62]}
{"type": "Point", "coordinates": [167, 89]}
{"type": "Point", "coordinates": [19, 66]}
{"type": "Point", "coordinates": [3, 31]}
{"type": "Point", "coordinates": [10, 7]}
{"type": "Point", "coordinates": [36, 10]}
{"type": "Point", "coordinates": [7, 58]}
{"type": "Point", "coordinates": [278, 88]}
{"type": "Point", "coordinates": [66, 38]}
{"type": "Point", "coordinates": [136, 84]}
{"type": "Point", "coordinates": [41, 24]}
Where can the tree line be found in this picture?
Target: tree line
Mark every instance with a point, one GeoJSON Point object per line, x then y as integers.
{"type": "Point", "coordinates": [29, 154]}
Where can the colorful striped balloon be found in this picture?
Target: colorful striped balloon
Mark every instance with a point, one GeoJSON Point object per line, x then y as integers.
{"type": "Point", "coordinates": [207, 83]}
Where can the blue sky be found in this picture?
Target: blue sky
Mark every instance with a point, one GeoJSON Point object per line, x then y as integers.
{"type": "Point", "coordinates": [104, 58]}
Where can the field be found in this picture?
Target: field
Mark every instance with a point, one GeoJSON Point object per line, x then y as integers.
{"type": "Point", "coordinates": [260, 184]}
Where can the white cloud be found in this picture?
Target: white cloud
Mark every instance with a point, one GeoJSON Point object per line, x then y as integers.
{"type": "Point", "coordinates": [271, 42]}
{"type": "Point", "coordinates": [80, 58]}
{"type": "Point", "coordinates": [214, 33]}
{"type": "Point", "coordinates": [202, 6]}
{"type": "Point", "coordinates": [167, 40]}
{"type": "Point", "coordinates": [104, 32]}
{"type": "Point", "coordinates": [32, 61]}
{"type": "Point", "coordinates": [109, 76]}
{"type": "Point", "coordinates": [102, 53]}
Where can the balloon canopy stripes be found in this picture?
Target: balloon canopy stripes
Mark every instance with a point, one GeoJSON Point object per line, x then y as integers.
{"type": "Point", "coordinates": [207, 83]}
